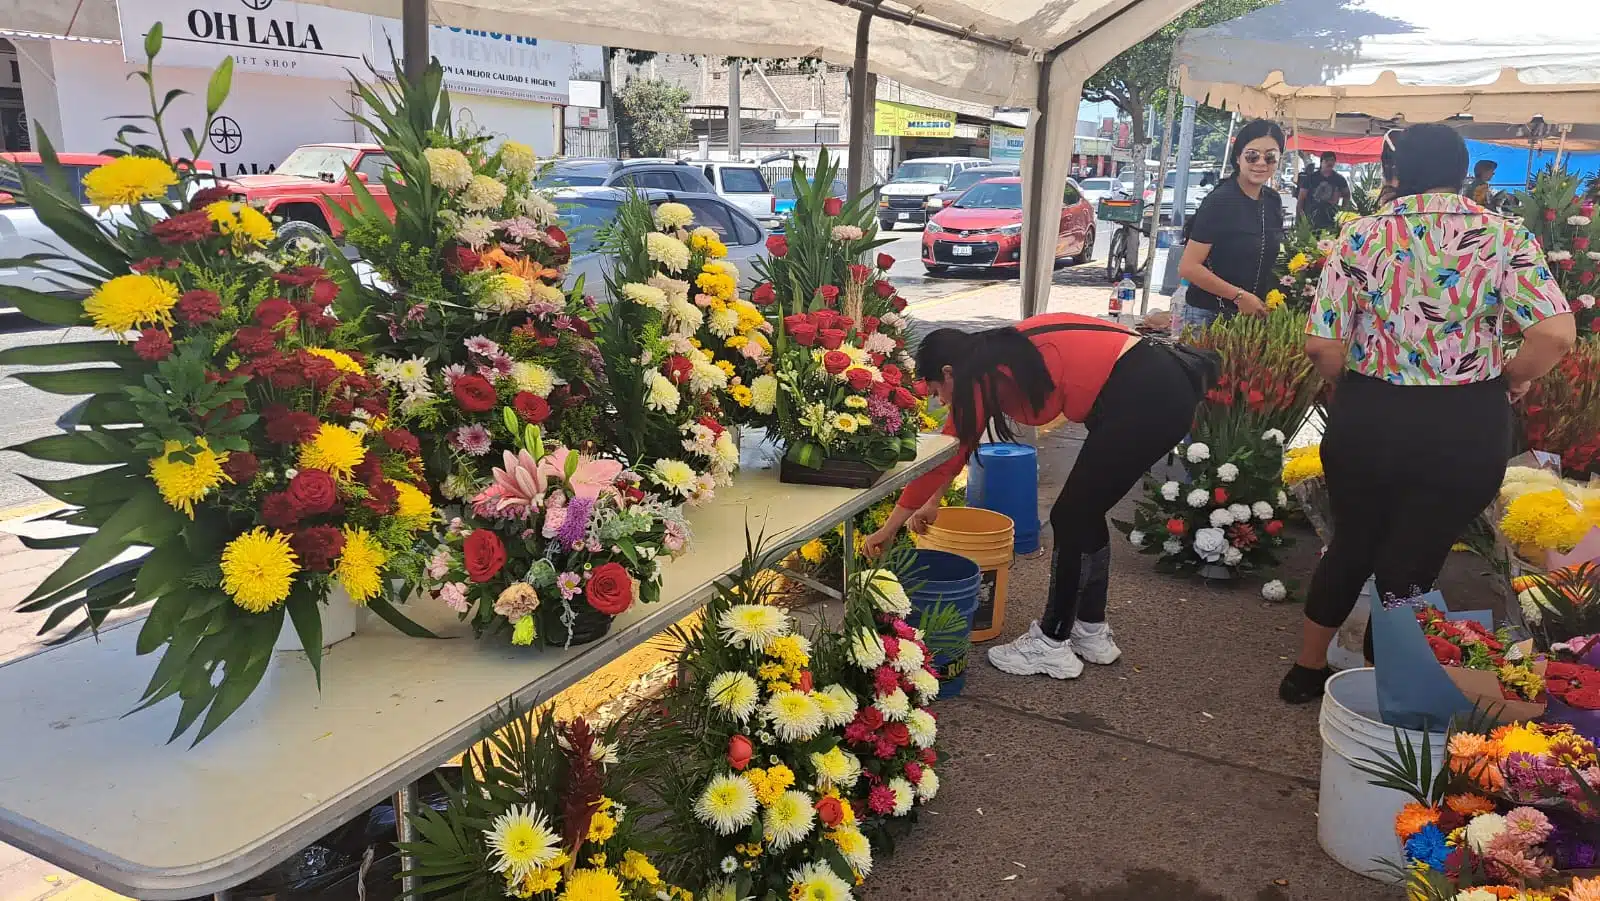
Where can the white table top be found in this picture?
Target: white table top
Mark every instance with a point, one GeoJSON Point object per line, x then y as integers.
{"type": "Point", "coordinates": [107, 798]}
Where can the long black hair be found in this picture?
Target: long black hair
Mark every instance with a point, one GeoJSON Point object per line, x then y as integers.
{"type": "Point", "coordinates": [979, 363]}
{"type": "Point", "coordinates": [1252, 130]}
{"type": "Point", "coordinates": [1429, 157]}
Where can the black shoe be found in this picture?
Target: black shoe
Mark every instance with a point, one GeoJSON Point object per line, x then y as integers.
{"type": "Point", "coordinates": [1302, 685]}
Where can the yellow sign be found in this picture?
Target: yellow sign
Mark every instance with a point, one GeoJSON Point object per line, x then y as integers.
{"type": "Point", "coordinates": [902, 120]}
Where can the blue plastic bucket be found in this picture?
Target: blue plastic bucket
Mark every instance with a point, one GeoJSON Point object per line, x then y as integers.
{"type": "Point", "coordinates": [1005, 478]}
{"type": "Point", "coordinates": [941, 578]}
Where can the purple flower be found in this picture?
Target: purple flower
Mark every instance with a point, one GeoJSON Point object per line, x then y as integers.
{"type": "Point", "coordinates": [883, 411]}
{"type": "Point", "coordinates": [473, 439]}
{"type": "Point", "coordinates": [521, 228]}
{"type": "Point", "coordinates": [452, 373]}
{"type": "Point", "coordinates": [577, 522]}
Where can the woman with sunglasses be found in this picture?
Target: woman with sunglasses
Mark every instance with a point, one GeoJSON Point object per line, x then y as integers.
{"type": "Point", "coordinates": [1232, 241]}
{"type": "Point", "coordinates": [1410, 320]}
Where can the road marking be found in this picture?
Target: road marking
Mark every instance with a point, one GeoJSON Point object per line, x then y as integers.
{"type": "Point", "coordinates": [950, 298]}
{"type": "Point", "coordinates": [37, 508]}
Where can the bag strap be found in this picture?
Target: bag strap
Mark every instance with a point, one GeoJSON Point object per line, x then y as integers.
{"type": "Point", "coordinates": [1077, 327]}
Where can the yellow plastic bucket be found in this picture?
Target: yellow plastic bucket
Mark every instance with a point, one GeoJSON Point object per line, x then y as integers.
{"type": "Point", "coordinates": [988, 539]}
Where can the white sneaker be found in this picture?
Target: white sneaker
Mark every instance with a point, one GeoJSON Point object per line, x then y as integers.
{"type": "Point", "coordinates": [1034, 653]}
{"type": "Point", "coordinates": [1093, 643]}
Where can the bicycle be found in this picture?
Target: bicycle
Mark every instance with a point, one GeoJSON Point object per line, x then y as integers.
{"type": "Point", "coordinates": [1132, 227]}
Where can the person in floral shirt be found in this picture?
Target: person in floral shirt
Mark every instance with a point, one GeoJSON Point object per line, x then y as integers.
{"type": "Point", "coordinates": [1409, 321]}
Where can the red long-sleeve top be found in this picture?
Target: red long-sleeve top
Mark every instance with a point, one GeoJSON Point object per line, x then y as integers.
{"type": "Point", "coordinates": [1079, 360]}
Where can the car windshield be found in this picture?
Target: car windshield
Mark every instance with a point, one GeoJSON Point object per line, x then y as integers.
{"type": "Point", "coordinates": [992, 196]}
{"type": "Point", "coordinates": [743, 181]}
{"type": "Point", "coordinates": [326, 163]}
{"type": "Point", "coordinates": [584, 217]}
{"type": "Point", "coordinates": [1097, 184]}
{"type": "Point", "coordinates": [937, 173]}
{"type": "Point", "coordinates": [971, 177]}
{"type": "Point", "coordinates": [576, 175]}
{"type": "Point", "coordinates": [784, 189]}
{"type": "Point", "coordinates": [11, 183]}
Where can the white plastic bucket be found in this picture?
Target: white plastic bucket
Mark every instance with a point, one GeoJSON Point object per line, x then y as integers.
{"type": "Point", "coordinates": [1355, 819]}
{"type": "Point", "coordinates": [338, 623]}
{"type": "Point", "coordinates": [1345, 650]}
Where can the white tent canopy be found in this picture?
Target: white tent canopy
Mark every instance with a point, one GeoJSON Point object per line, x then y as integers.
{"type": "Point", "coordinates": [1420, 60]}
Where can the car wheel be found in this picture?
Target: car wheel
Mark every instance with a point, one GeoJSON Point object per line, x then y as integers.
{"type": "Point", "coordinates": [1087, 254]}
{"type": "Point", "coordinates": [935, 270]}
{"type": "Point", "coordinates": [296, 230]}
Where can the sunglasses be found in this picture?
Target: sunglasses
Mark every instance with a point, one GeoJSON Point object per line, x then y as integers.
{"type": "Point", "coordinates": [1253, 157]}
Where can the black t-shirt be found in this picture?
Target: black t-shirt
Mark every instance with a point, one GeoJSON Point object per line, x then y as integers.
{"type": "Point", "coordinates": [1245, 237]}
{"type": "Point", "coordinates": [1323, 194]}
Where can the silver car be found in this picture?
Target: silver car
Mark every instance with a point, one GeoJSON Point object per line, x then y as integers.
{"type": "Point", "coordinates": [585, 211]}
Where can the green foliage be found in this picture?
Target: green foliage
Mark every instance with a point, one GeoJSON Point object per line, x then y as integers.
{"type": "Point", "coordinates": [651, 116]}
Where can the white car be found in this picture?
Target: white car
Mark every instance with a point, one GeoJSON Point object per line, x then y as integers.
{"type": "Point", "coordinates": [585, 211]}
{"type": "Point", "coordinates": [904, 200]}
{"type": "Point", "coordinates": [1097, 189]}
{"type": "Point", "coordinates": [1201, 181]}
{"type": "Point", "coordinates": [743, 185]}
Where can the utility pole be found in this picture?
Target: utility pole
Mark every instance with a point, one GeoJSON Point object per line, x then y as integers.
{"type": "Point", "coordinates": [414, 39]}
{"type": "Point", "coordinates": [735, 105]}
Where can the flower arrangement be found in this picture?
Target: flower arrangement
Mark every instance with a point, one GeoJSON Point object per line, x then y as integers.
{"type": "Point", "coordinates": [1303, 477]}
{"type": "Point", "coordinates": [557, 536]}
{"type": "Point", "coordinates": [1305, 253]}
{"type": "Point", "coordinates": [1468, 645]}
{"type": "Point", "coordinates": [1573, 682]}
{"type": "Point", "coordinates": [1562, 604]}
{"type": "Point", "coordinates": [1542, 514]}
{"type": "Point", "coordinates": [541, 814]}
{"type": "Point", "coordinates": [1228, 516]}
{"type": "Point", "coordinates": [1564, 224]}
{"type": "Point", "coordinates": [667, 389]}
{"type": "Point", "coordinates": [749, 755]}
{"type": "Point", "coordinates": [1266, 382]}
{"type": "Point", "coordinates": [1561, 412]}
{"type": "Point", "coordinates": [733, 332]}
{"type": "Point", "coordinates": [826, 552]}
{"type": "Point", "coordinates": [238, 432]}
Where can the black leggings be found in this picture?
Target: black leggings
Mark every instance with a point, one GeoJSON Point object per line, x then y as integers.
{"type": "Point", "coordinates": [1145, 408]}
{"type": "Point", "coordinates": [1408, 468]}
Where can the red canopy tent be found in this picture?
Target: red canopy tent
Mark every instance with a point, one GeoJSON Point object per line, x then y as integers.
{"type": "Point", "coordinates": [1362, 149]}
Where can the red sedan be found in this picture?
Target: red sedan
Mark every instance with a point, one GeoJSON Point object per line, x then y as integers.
{"type": "Point", "coordinates": [983, 230]}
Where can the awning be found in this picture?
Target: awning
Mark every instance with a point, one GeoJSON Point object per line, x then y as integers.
{"type": "Point", "coordinates": [1349, 150]}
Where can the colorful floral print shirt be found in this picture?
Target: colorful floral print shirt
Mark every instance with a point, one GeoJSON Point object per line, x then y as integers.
{"type": "Point", "coordinates": [1421, 289]}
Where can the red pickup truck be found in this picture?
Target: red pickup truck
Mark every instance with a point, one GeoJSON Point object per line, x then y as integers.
{"type": "Point", "coordinates": [313, 178]}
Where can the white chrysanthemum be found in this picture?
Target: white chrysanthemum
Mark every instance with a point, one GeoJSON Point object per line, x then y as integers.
{"type": "Point", "coordinates": [1198, 498]}
{"type": "Point", "coordinates": [764, 394]}
{"type": "Point", "coordinates": [1136, 538]}
{"type": "Point", "coordinates": [1274, 591]}
{"type": "Point", "coordinates": [521, 841]}
{"type": "Point", "coordinates": [866, 649]}
{"type": "Point", "coordinates": [1262, 510]}
{"type": "Point", "coordinates": [854, 848]}
{"type": "Point", "coordinates": [724, 323]}
{"type": "Point", "coordinates": [1579, 221]}
{"type": "Point", "coordinates": [727, 805]}
{"type": "Point", "coordinates": [1240, 512]}
{"type": "Point", "coordinates": [1228, 472]}
{"type": "Point", "coordinates": [923, 727]}
{"type": "Point", "coordinates": [894, 706]}
{"type": "Point", "coordinates": [1170, 491]}
{"type": "Point", "coordinates": [671, 253]}
{"type": "Point", "coordinates": [550, 294]}
{"type": "Point", "coordinates": [518, 158]}
{"type": "Point", "coordinates": [1232, 556]}
{"type": "Point", "coordinates": [674, 215]}
{"type": "Point", "coordinates": [909, 657]}
{"type": "Point", "coordinates": [1221, 518]}
{"type": "Point", "coordinates": [660, 393]}
{"type": "Point", "coordinates": [817, 880]}
{"type": "Point", "coordinates": [646, 296]}
{"type": "Point", "coordinates": [676, 476]}
{"type": "Point", "coordinates": [675, 288]}
{"type": "Point", "coordinates": [706, 377]}
{"type": "Point", "coordinates": [846, 233]}
{"type": "Point", "coordinates": [475, 231]}
{"type": "Point", "coordinates": [788, 820]}
{"type": "Point", "coordinates": [752, 626]}
{"type": "Point", "coordinates": [448, 168]}
{"type": "Point", "coordinates": [735, 694]}
{"type": "Point", "coordinates": [1209, 544]}
{"type": "Point", "coordinates": [837, 704]}
{"type": "Point", "coordinates": [888, 595]}
{"type": "Point", "coordinates": [925, 684]}
{"type": "Point", "coordinates": [837, 768]}
{"type": "Point", "coordinates": [533, 378]}
{"type": "Point", "coordinates": [686, 316]}
{"type": "Point", "coordinates": [484, 193]}
{"type": "Point", "coordinates": [904, 796]}
{"type": "Point", "coordinates": [1484, 829]}
{"type": "Point", "coordinates": [1198, 453]}
{"type": "Point", "coordinates": [539, 208]}
{"type": "Point", "coordinates": [1532, 611]}
{"type": "Point", "coordinates": [928, 785]}
{"type": "Point", "coordinates": [1172, 546]}
{"type": "Point", "coordinates": [727, 451]}
{"type": "Point", "coordinates": [794, 715]}
{"type": "Point", "coordinates": [1275, 436]}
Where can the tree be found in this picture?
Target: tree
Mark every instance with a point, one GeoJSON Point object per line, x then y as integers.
{"type": "Point", "coordinates": [1137, 79]}
{"type": "Point", "coordinates": [651, 118]}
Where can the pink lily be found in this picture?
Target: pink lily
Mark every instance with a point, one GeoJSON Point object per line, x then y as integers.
{"type": "Point", "coordinates": [592, 478]}
{"type": "Point", "coordinates": [518, 489]}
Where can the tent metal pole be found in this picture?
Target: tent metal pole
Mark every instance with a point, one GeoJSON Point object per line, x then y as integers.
{"type": "Point", "coordinates": [1035, 297]}
{"type": "Point", "coordinates": [860, 108]}
{"type": "Point", "coordinates": [414, 38]}
{"type": "Point", "coordinates": [1561, 146]}
{"type": "Point", "coordinates": [735, 107]}
{"type": "Point", "coordinates": [1160, 187]}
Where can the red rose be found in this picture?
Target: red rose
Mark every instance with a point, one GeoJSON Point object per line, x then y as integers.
{"type": "Point", "coordinates": [1585, 277]}
{"type": "Point", "coordinates": [882, 390]}
{"type": "Point", "coordinates": [289, 427]}
{"type": "Point", "coordinates": [313, 491]}
{"type": "Point", "coordinates": [859, 274]}
{"type": "Point", "coordinates": [893, 375]}
{"type": "Point", "coordinates": [739, 752]}
{"type": "Point", "coordinates": [904, 399]}
{"type": "Point", "coordinates": [1549, 215]}
{"type": "Point", "coordinates": [272, 311]}
{"type": "Point", "coordinates": [1444, 652]}
{"type": "Point", "coordinates": [763, 295]}
{"type": "Point", "coordinates": [858, 378]}
{"type": "Point", "coordinates": [153, 345]}
{"type": "Point", "coordinates": [835, 361]}
{"type": "Point", "coordinates": [484, 554]}
{"type": "Point", "coordinates": [883, 289]}
{"type": "Point", "coordinates": [1581, 242]}
{"type": "Point", "coordinates": [1176, 526]}
{"type": "Point", "coordinates": [324, 291]}
{"type": "Point", "coordinates": [610, 590]}
{"type": "Point", "coordinates": [1220, 495]}
{"type": "Point", "coordinates": [804, 334]}
{"type": "Point", "coordinates": [317, 547]}
{"type": "Point", "coordinates": [241, 467]}
{"type": "Point", "coordinates": [920, 387]}
{"type": "Point", "coordinates": [832, 338]}
{"type": "Point", "coordinates": [531, 407]}
{"type": "Point", "coordinates": [845, 324]}
{"type": "Point", "coordinates": [871, 718]}
{"type": "Point", "coordinates": [833, 206]}
{"type": "Point", "coordinates": [300, 276]}
{"type": "Point", "coordinates": [462, 259]}
{"type": "Point", "coordinates": [899, 304]}
{"type": "Point", "coordinates": [929, 756]}
{"type": "Point", "coordinates": [279, 512]}
{"type": "Point", "coordinates": [778, 245]}
{"type": "Point", "coordinates": [829, 294]}
{"type": "Point", "coordinates": [897, 733]}
{"type": "Point", "coordinates": [826, 318]}
{"type": "Point", "coordinates": [1274, 527]}
{"type": "Point", "coordinates": [562, 246]}
{"type": "Point", "coordinates": [679, 369]}
{"type": "Point", "coordinates": [198, 307]}
{"type": "Point", "coordinates": [254, 339]}
{"type": "Point", "coordinates": [885, 261]}
{"type": "Point", "coordinates": [830, 811]}
{"type": "Point", "coordinates": [869, 324]}
{"type": "Point", "coordinates": [474, 394]}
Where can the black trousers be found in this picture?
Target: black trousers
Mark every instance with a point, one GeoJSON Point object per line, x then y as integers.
{"type": "Point", "coordinates": [1144, 409]}
{"type": "Point", "coordinates": [1408, 468]}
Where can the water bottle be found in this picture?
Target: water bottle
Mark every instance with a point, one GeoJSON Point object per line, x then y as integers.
{"type": "Point", "coordinates": [1179, 300]}
{"type": "Point", "coordinates": [1122, 297]}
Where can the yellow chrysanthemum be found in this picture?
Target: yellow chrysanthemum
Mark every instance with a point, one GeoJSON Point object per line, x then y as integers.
{"type": "Point", "coordinates": [674, 215]}
{"type": "Point", "coordinates": [1302, 464]}
{"type": "Point", "coordinates": [704, 240]}
{"type": "Point", "coordinates": [813, 551]}
{"type": "Point", "coordinates": [448, 168]}
{"type": "Point", "coordinates": [335, 449]}
{"type": "Point", "coordinates": [666, 250]}
{"type": "Point", "coordinates": [340, 360]}
{"type": "Point", "coordinates": [1299, 262]}
{"type": "Point", "coordinates": [845, 423]}
{"type": "Point", "coordinates": [360, 567]}
{"type": "Point", "coordinates": [128, 180]}
{"type": "Point", "coordinates": [1274, 299]}
{"type": "Point", "coordinates": [1544, 519]}
{"type": "Point", "coordinates": [244, 223]}
{"type": "Point", "coordinates": [130, 302]}
{"type": "Point", "coordinates": [742, 395]}
{"type": "Point", "coordinates": [183, 483]}
{"type": "Point", "coordinates": [592, 885]}
{"type": "Point", "coordinates": [715, 283]}
{"type": "Point", "coordinates": [412, 505]}
{"type": "Point", "coordinates": [635, 867]}
{"type": "Point", "coordinates": [258, 569]}
{"type": "Point", "coordinates": [517, 157]}
{"type": "Point", "coordinates": [602, 826]}
{"type": "Point", "coordinates": [791, 650]}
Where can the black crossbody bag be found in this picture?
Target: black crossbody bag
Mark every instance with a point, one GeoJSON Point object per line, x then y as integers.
{"type": "Point", "coordinates": [1202, 366]}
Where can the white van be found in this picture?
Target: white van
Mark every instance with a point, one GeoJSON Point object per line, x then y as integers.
{"type": "Point", "coordinates": [743, 185]}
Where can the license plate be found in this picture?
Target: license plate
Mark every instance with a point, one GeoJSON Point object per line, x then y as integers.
{"type": "Point", "coordinates": [961, 250]}
{"type": "Point", "coordinates": [905, 215]}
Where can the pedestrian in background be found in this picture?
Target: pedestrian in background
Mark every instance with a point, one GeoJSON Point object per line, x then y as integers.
{"type": "Point", "coordinates": [1323, 192]}
{"type": "Point", "coordinates": [1409, 322]}
{"type": "Point", "coordinates": [1232, 242]}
